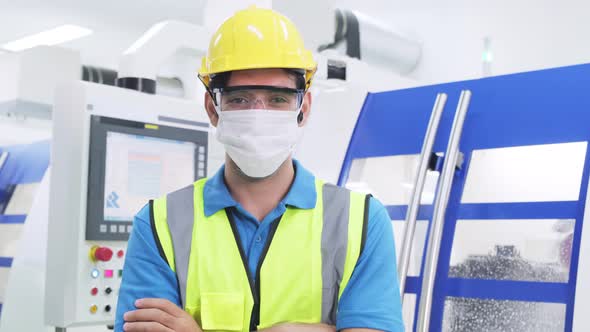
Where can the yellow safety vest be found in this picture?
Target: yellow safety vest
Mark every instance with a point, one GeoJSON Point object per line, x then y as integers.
{"type": "Point", "coordinates": [304, 268]}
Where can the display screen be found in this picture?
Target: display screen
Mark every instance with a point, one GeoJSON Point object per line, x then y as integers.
{"type": "Point", "coordinates": [133, 162]}
{"type": "Point", "coordinates": [139, 168]}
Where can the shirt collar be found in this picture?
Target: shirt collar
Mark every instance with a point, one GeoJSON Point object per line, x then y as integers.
{"type": "Point", "coordinates": [302, 193]}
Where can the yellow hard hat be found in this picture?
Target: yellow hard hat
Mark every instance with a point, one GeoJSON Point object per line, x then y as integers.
{"type": "Point", "coordinates": [256, 38]}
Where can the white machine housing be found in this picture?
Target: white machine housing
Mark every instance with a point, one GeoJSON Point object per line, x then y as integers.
{"type": "Point", "coordinates": [68, 297]}
{"type": "Point", "coordinates": [27, 81]}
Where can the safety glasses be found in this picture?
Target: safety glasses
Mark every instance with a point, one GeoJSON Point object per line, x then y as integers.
{"type": "Point", "coordinates": [247, 97]}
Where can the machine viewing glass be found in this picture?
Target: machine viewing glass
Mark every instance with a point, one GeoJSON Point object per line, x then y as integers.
{"type": "Point", "coordinates": [237, 98]}
{"type": "Point", "coordinates": [133, 162]}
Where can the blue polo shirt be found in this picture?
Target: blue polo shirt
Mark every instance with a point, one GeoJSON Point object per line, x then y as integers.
{"type": "Point", "coordinates": [370, 300]}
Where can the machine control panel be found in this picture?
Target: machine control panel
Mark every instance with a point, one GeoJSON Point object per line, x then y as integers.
{"type": "Point", "coordinates": [102, 278]}
{"type": "Point", "coordinates": [130, 163]}
{"type": "Point", "coordinates": [112, 152]}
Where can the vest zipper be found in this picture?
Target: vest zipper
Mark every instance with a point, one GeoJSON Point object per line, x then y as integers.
{"type": "Point", "coordinates": [254, 284]}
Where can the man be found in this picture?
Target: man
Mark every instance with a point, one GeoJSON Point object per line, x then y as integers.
{"type": "Point", "coordinates": [262, 245]}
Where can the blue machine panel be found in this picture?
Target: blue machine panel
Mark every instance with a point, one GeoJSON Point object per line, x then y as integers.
{"type": "Point", "coordinates": [534, 108]}
{"type": "Point", "coordinates": [24, 164]}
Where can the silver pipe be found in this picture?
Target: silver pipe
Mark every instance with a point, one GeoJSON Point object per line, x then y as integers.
{"type": "Point", "coordinates": [412, 214]}
{"type": "Point", "coordinates": [438, 217]}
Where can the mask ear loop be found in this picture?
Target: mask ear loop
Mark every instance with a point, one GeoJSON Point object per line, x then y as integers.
{"type": "Point", "coordinates": [300, 115]}
{"type": "Point", "coordinates": [216, 102]}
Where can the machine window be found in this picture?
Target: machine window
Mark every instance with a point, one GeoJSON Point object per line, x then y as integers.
{"type": "Point", "coordinates": [391, 179]}
{"type": "Point", "coordinates": [466, 314]}
{"type": "Point", "coordinates": [418, 244]}
{"type": "Point", "coordinates": [509, 250]}
{"type": "Point", "coordinates": [536, 173]}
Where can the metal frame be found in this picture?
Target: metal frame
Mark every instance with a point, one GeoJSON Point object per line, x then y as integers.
{"type": "Point", "coordinates": [440, 206]}
{"type": "Point", "coordinates": [412, 213]}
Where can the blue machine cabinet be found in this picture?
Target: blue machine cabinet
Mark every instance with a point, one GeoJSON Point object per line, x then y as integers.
{"type": "Point", "coordinates": [539, 114]}
{"type": "Point", "coordinates": [24, 164]}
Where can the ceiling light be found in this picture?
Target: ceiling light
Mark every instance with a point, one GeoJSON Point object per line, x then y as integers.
{"type": "Point", "coordinates": [50, 37]}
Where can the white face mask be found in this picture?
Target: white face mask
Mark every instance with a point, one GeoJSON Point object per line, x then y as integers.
{"type": "Point", "coordinates": [258, 140]}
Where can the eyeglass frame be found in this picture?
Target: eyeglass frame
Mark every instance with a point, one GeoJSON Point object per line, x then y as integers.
{"type": "Point", "coordinates": [218, 91]}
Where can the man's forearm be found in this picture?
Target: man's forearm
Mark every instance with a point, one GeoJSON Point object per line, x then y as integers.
{"type": "Point", "coordinates": [294, 327]}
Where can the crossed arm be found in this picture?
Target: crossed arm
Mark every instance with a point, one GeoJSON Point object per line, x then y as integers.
{"type": "Point", "coordinates": [159, 315]}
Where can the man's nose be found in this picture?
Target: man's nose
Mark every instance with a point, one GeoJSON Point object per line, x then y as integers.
{"type": "Point", "coordinates": [259, 104]}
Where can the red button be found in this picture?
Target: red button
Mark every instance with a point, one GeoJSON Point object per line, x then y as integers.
{"type": "Point", "coordinates": [94, 291]}
{"type": "Point", "coordinates": [103, 254]}
{"type": "Point", "coordinates": [120, 253]}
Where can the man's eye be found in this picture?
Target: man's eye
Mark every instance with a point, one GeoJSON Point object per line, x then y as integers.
{"type": "Point", "coordinates": [279, 99]}
{"type": "Point", "coordinates": [238, 100]}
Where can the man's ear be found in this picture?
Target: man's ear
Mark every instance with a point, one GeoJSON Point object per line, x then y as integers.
{"type": "Point", "coordinates": [210, 108]}
{"type": "Point", "coordinates": [305, 108]}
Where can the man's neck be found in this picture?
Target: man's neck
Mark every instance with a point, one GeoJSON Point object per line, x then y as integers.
{"type": "Point", "coordinates": [259, 196]}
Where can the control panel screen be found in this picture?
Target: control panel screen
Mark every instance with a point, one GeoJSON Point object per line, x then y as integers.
{"type": "Point", "coordinates": [130, 163]}
{"type": "Point", "coordinates": [140, 168]}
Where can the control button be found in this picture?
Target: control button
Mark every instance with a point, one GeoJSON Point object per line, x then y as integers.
{"type": "Point", "coordinates": [107, 308]}
{"type": "Point", "coordinates": [94, 291]}
{"type": "Point", "coordinates": [113, 228]}
{"type": "Point", "coordinates": [120, 253]}
{"type": "Point", "coordinates": [201, 149]}
{"type": "Point", "coordinates": [129, 227]}
{"type": "Point", "coordinates": [103, 254]}
{"type": "Point", "coordinates": [93, 309]}
{"type": "Point", "coordinates": [103, 228]}
{"type": "Point", "coordinates": [120, 273]}
{"type": "Point", "coordinates": [108, 290]}
{"type": "Point", "coordinates": [95, 273]}
{"type": "Point", "coordinates": [121, 228]}
{"type": "Point", "coordinates": [108, 273]}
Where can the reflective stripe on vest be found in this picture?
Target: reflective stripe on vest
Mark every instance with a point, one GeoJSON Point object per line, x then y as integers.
{"type": "Point", "coordinates": [307, 262]}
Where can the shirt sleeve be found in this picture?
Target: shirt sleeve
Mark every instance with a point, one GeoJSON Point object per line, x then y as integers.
{"type": "Point", "coordinates": [371, 299]}
{"type": "Point", "coordinates": [145, 273]}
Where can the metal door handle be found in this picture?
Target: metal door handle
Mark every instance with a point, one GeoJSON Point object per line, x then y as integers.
{"type": "Point", "coordinates": [438, 216]}
{"type": "Point", "coordinates": [412, 214]}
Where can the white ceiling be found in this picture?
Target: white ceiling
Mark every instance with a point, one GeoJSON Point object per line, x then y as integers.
{"type": "Point", "coordinates": [116, 23]}
{"type": "Point", "coordinates": [527, 35]}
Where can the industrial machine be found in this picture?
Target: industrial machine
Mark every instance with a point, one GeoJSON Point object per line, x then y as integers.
{"type": "Point", "coordinates": [113, 150]}
{"type": "Point", "coordinates": [497, 238]}
{"type": "Point", "coordinates": [121, 138]}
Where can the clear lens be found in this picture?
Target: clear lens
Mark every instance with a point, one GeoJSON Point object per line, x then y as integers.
{"type": "Point", "coordinates": [259, 97]}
